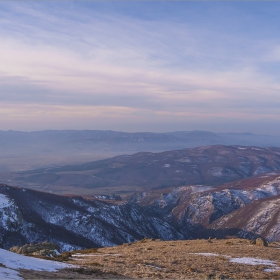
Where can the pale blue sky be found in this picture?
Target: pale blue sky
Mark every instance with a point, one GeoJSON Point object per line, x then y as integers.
{"type": "Point", "coordinates": [140, 65]}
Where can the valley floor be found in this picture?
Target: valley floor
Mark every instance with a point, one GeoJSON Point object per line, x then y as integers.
{"type": "Point", "coordinates": [188, 259]}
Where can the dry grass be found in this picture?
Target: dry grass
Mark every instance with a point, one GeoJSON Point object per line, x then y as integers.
{"type": "Point", "coordinates": [86, 251]}
{"type": "Point", "coordinates": [73, 273]}
{"type": "Point", "coordinates": [151, 259]}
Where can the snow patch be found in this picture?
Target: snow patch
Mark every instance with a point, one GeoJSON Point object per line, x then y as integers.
{"type": "Point", "coordinates": [7, 273]}
{"type": "Point", "coordinates": [156, 267]}
{"type": "Point", "coordinates": [68, 247]}
{"type": "Point", "coordinates": [271, 269]}
{"type": "Point", "coordinates": [206, 254]}
{"type": "Point", "coordinates": [4, 201]}
{"type": "Point", "coordinates": [253, 261]}
{"type": "Point", "coordinates": [245, 260]}
{"type": "Point", "coordinates": [56, 252]}
{"type": "Point", "coordinates": [14, 262]}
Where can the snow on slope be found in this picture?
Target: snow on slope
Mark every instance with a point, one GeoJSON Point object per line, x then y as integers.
{"type": "Point", "coordinates": [176, 213]}
{"type": "Point", "coordinates": [9, 213]}
{"type": "Point", "coordinates": [207, 207]}
{"type": "Point", "coordinates": [14, 262]}
{"type": "Point", "coordinates": [259, 220]}
{"type": "Point", "coordinates": [4, 201]}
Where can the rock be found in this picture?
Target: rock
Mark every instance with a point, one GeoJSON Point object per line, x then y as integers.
{"type": "Point", "coordinates": [261, 242]}
{"type": "Point", "coordinates": [209, 240]}
{"type": "Point", "coordinates": [41, 249]}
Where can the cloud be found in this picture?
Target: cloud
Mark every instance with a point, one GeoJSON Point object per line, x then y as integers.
{"type": "Point", "coordinates": [122, 65]}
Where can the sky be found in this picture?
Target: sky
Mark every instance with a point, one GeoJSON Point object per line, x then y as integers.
{"type": "Point", "coordinates": [140, 65]}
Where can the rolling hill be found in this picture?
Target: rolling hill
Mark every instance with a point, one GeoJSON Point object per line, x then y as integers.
{"type": "Point", "coordinates": [208, 165]}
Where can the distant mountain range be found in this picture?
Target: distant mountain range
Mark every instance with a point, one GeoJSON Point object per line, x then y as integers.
{"type": "Point", "coordinates": [25, 150]}
{"type": "Point", "coordinates": [208, 165]}
{"type": "Point", "coordinates": [245, 208]}
{"type": "Point", "coordinates": [61, 141]}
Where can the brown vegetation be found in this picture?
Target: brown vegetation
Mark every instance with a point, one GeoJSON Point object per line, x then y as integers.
{"type": "Point", "coordinates": [188, 259]}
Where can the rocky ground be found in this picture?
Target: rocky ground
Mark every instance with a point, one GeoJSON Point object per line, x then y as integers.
{"type": "Point", "coordinates": [186, 259]}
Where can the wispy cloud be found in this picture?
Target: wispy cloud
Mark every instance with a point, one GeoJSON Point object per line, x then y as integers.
{"type": "Point", "coordinates": [75, 62]}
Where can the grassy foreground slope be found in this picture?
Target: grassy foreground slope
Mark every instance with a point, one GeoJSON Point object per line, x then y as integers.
{"type": "Point", "coordinates": [192, 259]}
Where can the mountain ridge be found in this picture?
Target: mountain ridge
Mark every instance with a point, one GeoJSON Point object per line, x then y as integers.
{"type": "Point", "coordinates": [124, 174]}
{"type": "Point", "coordinates": [176, 213]}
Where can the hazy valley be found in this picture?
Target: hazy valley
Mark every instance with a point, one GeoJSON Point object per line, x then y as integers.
{"type": "Point", "coordinates": [28, 150]}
